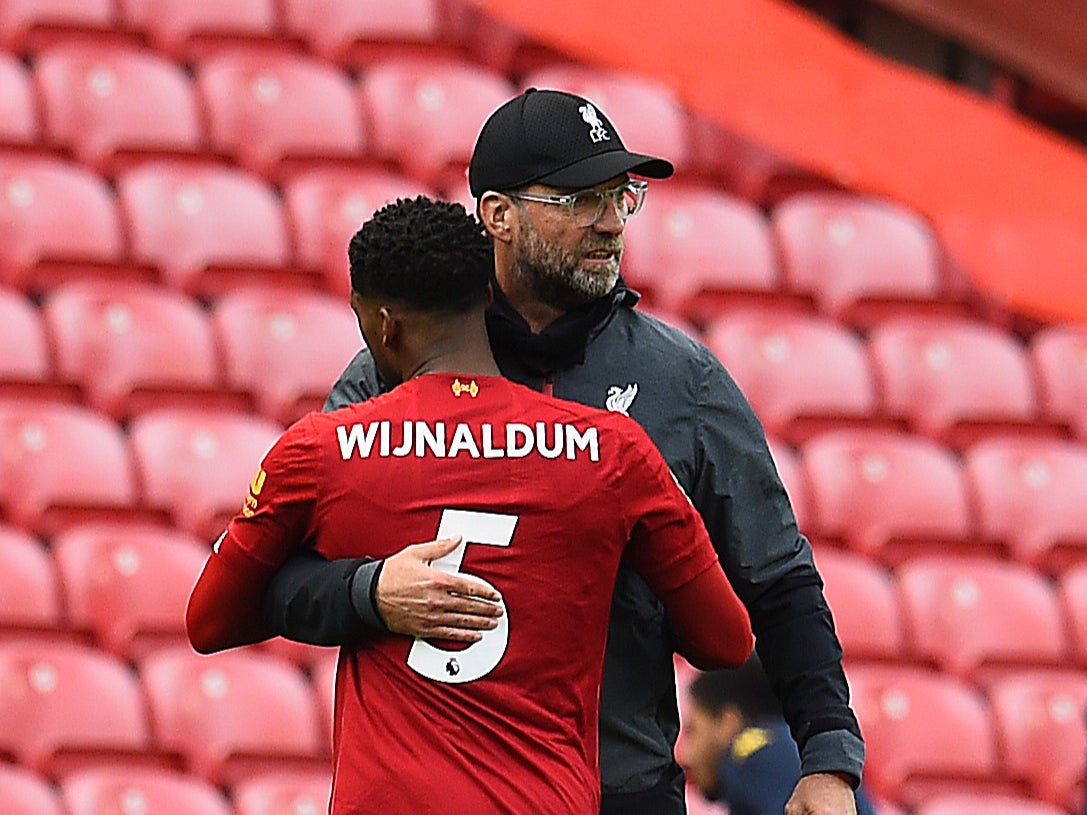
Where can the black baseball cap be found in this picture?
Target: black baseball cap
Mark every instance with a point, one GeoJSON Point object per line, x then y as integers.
{"type": "Point", "coordinates": [555, 138]}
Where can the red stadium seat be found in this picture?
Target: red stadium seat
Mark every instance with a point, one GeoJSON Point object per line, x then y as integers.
{"type": "Point", "coordinates": [1040, 726]}
{"type": "Point", "coordinates": [135, 347]}
{"type": "Point", "coordinates": [864, 602]}
{"type": "Point", "coordinates": [277, 113]}
{"type": "Point", "coordinates": [29, 595]}
{"type": "Point", "coordinates": [362, 33]}
{"type": "Point", "coordinates": [114, 106]}
{"type": "Point", "coordinates": [1058, 354]}
{"type": "Point", "coordinates": [802, 374]}
{"type": "Point", "coordinates": [134, 791]}
{"type": "Point", "coordinates": [323, 680]}
{"type": "Point", "coordinates": [325, 207]}
{"type": "Point", "coordinates": [64, 706]}
{"type": "Point", "coordinates": [26, 369]}
{"type": "Point", "coordinates": [926, 734]}
{"type": "Point", "coordinates": [286, 351]}
{"type": "Point", "coordinates": [424, 116]}
{"type": "Point", "coordinates": [955, 380]}
{"type": "Point", "coordinates": [648, 115]}
{"type": "Point", "coordinates": [18, 106]}
{"type": "Point", "coordinates": [62, 464]}
{"type": "Point", "coordinates": [862, 259]}
{"type": "Point", "coordinates": [282, 794]}
{"type": "Point", "coordinates": [188, 30]}
{"type": "Point", "coordinates": [985, 805]}
{"type": "Point", "coordinates": [57, 221]}
{"type": "Point", "coordinates": [1030, 493]}
{"type": "Point", "coordinates": [695, 250]}
{"type": "Point", "coordinates": [796, 485]}
{"type": "Point", "coordinates": [207, 229]}
{"type": "Point", "coordinates": [1072, 594]}
{"type": "Point", "coordinates": [888, 495]}
{"type": "Point", "coordinates": [129, 584]}
{"type": "Point", "coordinates": [197, 464]}
{"type": "Point", "coordinates": [26, 26]}
{"type": "Point", "coordinates": [27, 793]}
{"type": "Point", "coordinates": [979, 618]}
{"type": "Point", "coordinates": [233, 715]}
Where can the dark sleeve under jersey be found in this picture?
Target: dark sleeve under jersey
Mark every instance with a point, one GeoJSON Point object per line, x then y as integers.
{"type": "Point", "coordinates": [740, 496]}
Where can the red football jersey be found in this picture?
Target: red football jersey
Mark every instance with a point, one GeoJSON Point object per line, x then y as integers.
{"type": "Point", "coordinates": [547, 494]}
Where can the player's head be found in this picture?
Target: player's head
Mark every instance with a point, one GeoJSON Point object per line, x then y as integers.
{"type": "Point", "coordinates": [419, 268]}
{"type": "Point", "coordinates": [552, 179]}
{"type": "Point", "coordinates": [718, 706]}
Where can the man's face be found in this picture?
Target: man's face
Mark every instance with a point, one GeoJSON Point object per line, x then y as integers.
{"type": "Point", "coordinates": [565, 265]}
{"type": "Point", "coordinates": [703, 738]}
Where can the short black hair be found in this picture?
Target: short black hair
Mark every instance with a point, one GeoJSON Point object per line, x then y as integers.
{"type": "Point", "coordinates": [746, 688]}
{"type": "Point", "coordinates": [430, 255]}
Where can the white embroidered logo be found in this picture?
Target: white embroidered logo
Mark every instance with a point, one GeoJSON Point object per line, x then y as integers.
{"type": "Point", "coordinates": [597, 131]}
{"type": "Point", "coordinates": [619, 399]}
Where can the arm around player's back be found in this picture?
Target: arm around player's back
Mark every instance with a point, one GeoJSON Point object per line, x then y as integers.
{"type": "Point", "coordinates": [670, 549]}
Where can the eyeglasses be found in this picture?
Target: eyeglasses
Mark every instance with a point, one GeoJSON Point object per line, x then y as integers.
{"type": "Point", "coordinates": [587, 206]}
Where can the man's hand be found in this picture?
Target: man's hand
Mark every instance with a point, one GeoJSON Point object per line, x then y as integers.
{"type": "Point", "coordinates": [416, 599]}
{"type": "Point", "coordinates": [822, 794]}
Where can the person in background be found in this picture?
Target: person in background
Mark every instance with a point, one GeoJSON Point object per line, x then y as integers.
{"type": "Point", "coordinates": [735, 746]}
{"type": "Point", "coordinates": [555, 188]}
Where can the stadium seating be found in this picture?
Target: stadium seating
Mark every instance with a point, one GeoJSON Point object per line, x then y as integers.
{"type": "Point", "coordinates": [424, 115]}
{"type": "Point", "coordinates": [1040, 726]}
{"type": "Point", "coordinates": [985, 805]}
{"type": "Point", "coordinates": [926, 734]}
{"type": "Point", "coordinates": [128, 584]}
{"type": "Point", "coordinates": [283, 793]}
{"type": "Point", "coordinates": [1029, 493]}
{"type": "Point", "coordinates": [115, 106]}
{"type": "Point", "coordinates": [277, 113]}
{"type": "Point", "coordinates": [325, 207]}
{"type": "Point", "coordinates": [207, 228]}
{"type": "Point", "coordinates": [27, 793]}
{"type": "Point", "coordinates": [26, 369]}
{"type": "Point", "coordinates": [979, 618]}
{"type": "Point", "coordinates": [233, 715]}
{"type": "Point", "coordinates": [695, 250]}
{"type": "Point", "coordinates": [191, 30]}
{"type": "Point", "coordinates": [862, 259]}
{"type": "Point", "coordinates": [134, 791]}
{"type": "Point", "coordinates": [135, 347]}
{"type": "Point", "coordinates": [64, 706]}
{"type": "Point", "coordinates": [62, 464]}
{"type": "Point", "coordinates": [648, 115]}
{"type": "Point", "coordinates": [864, 601]}
{"type": "Point", "coordinates": [286, 351]}
{"type": "Point", "coordinates": [27, 26]}
{"type": "Point", "coordinates": [1059, 357]}
{"type": "Point", "coordinates": [888, 495]}
{"type": "Point", "coordinates": [57, 220]}
{"type": "Point", "coordinates": [323, 682]}
{"type": "Point", "coordinates": [802, 374]}
{"type": "Point", "coordinates": [1072, 594]}
{"type": "Point", "coordinates": [362, 33]}
{"type": "Point", "coordinates": [198, 464]}
{"type": "Point", "coordinates": [30, 599]}
{"type": "Point", "coordinates": [955, 380]}
{"type": "Point", "coordinates": [18, 106]}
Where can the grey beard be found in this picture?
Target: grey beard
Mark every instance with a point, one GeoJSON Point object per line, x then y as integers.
{"type": "Point", "coordinates": [554, 275]}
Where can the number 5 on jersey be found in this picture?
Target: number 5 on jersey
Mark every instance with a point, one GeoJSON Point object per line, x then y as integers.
{"type": "Point", "coordinates": [482, 656]}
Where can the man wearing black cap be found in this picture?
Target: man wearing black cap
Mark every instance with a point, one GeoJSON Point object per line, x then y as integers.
{"type": "Point", "coordinates": [552, 182]}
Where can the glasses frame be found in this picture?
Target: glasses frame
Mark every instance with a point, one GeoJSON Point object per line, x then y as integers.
{"type": "Point", "coordinates": [569, 200]}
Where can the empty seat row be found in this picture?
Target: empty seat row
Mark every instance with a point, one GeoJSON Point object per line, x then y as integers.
{"type": "Point", "coordinates": [130, 347]}
{"type": "Point", "coordinates": [224, 718]}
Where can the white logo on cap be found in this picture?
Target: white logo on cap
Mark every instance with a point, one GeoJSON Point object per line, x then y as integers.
{"type": "Point", "coordinates": [597, 132]}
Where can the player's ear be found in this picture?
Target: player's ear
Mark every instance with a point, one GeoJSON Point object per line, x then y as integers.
{"type": "Point", "coordinates": [496, 212]}
{"type": "Point", "coordinates": [390, 327]}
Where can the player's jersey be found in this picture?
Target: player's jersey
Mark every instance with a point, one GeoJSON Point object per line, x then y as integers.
{"type": "Point", "coordinates": [546, 494]}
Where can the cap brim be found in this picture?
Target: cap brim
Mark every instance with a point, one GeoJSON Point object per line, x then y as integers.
{"type": "Point", "coordinates": [598, 168]}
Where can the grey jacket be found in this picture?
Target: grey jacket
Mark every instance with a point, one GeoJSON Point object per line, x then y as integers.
{"type": "Point", "coordinates": [613, 356]}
